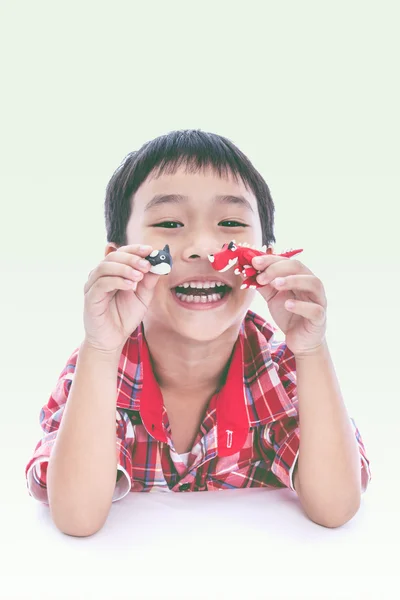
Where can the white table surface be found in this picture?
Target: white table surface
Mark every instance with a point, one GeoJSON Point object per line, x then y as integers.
{"type": "Point", "coordinates": [229, 544]}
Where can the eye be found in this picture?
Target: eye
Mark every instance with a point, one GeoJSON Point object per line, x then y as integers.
{"type": "Point", "coordinates": [169, 224]}
{"type": "Point", "coordinates": [232, 224]}
{"type": "Point", "coordinates": [162, 256]}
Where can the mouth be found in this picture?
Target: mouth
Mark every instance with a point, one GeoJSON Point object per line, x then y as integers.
{"type": "Point", "coordinates": [201, 294]}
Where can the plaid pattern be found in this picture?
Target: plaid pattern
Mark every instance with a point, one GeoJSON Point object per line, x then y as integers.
{"type": "Point", "coordinates": [249, 436]}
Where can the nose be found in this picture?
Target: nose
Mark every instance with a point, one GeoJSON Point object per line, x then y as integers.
{"type": "Point", "coordinates": [199, 250]}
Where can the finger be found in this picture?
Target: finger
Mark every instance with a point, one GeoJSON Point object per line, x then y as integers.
{"type": "Point", "coordinates": [135, 254]}
{"type": "Point", "coordinates": [141, 249]}
{"type": "Point", "coordinates": [145, 288]}
{"type": "Point", "coordinates": [104, 285]}
{"type": "Point", "coordinates": [262, 262]}
{"type": "Point", "coordinates": [301, 282]}
{"type": "Point", "coordinates": [112, 269]}
{"type": "Point", "coordinates": [315, 313]}
{"type": "Point", "coordinates": [134, 260]}
{"type": "Point", "coordinates": [131, 254]}
{"type": "Point", "coordinates": [282, 268]}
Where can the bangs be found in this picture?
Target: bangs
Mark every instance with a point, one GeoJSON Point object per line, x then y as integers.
{"type": "Point", "coordinates": [197, 151]}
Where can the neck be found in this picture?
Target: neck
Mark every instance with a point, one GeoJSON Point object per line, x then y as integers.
{"type": "Point", "coordinates": [198, 367]}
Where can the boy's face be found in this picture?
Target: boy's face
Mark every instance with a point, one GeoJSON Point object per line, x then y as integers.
{"type": "Point", "coordinates": [194, 227]}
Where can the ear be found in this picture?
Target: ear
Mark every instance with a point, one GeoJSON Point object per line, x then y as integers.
{"type": "Point", "coordinates": [166, 248]}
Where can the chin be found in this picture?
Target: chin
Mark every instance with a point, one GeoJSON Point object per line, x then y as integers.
{"type": "Point", "coordinates": [201, 332]}
{"type": "Point", "coordinates": [204, 325]}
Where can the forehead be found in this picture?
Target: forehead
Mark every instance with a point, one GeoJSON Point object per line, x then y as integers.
{"type": "Point", "coordinates": [202, 185]}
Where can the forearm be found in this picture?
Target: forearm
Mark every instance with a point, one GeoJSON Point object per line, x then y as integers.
{"type": "Point", "coordinates": [328, 478]}
{"type": "Point", "coordinates": [82, 468]}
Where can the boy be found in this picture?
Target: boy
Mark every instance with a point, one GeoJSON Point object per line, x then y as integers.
{"type": "Point", "coordinates": [173, 391]}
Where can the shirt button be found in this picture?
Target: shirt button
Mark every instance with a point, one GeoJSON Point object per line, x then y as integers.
{"type": "Point", "coordinates": [184, 486]}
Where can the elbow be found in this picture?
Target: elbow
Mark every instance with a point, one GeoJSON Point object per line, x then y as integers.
{"type": "Point", "coordinates": [333, 513]}
{"type": "Point", "coordinates": [77, 528]}
{"type": "Point", "coordinates": [75, 520]}
{"type": "Point", "coordinates": [77, 513]}
{"type": "Point", "coordinates": [78, 532]}
{"type": "Point", "coordinates": [333, 519]}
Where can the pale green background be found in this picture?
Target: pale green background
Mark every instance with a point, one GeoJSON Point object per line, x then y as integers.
{"type": "Point", "coordinates": [309, 91]}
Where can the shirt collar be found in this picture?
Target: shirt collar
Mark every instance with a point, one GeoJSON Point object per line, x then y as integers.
{"type": "Point", "coordinates": [252, 394]}
{"type": "Point", "coordinates": [230, 403]}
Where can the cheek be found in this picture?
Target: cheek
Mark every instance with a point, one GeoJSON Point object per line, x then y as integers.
{"type": "Point", "coordinates": [246, 297]}
{"type": "Point", "coordinates": [162, 295]}
{"type": "Point", "coordinates": [257, 234]}
{"type": "Point", "coordinates": [242, 299]}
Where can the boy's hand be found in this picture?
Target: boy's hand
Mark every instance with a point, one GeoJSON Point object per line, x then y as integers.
{"type": "Point", "coordinates": [304, 325]}
{"type": "Point", "coordinates": [117, 295]}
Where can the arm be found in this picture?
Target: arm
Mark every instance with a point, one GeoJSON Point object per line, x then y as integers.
{"type": "Point", "coordinates": [82, 468]}
{"type": "Point", "coordinates": [328, 475]}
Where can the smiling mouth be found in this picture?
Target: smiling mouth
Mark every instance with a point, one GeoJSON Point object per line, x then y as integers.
{"type": "Point", "coordinates": [203, 295]}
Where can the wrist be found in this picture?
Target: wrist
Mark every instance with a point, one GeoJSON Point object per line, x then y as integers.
{"type": "Point", "coordinates": [317, 351]}
{"type": "Point", "coordinates": [99, 353]}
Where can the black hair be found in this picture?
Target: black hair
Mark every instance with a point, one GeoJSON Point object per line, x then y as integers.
{"type": "Point", "coordinates": [165, 154]}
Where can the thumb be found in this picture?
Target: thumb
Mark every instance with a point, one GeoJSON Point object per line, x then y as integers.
{"type": "Point", "coordinates": [145, 288]}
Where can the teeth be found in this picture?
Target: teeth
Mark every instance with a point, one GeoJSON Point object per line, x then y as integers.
{"type": "Point", "coordinates": [201, 284]}
{"type": "Point", "coordinates": [202, 299]}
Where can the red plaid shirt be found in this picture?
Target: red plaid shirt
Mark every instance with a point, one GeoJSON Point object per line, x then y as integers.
{"type": "Point", "coordinates": [249, 436]}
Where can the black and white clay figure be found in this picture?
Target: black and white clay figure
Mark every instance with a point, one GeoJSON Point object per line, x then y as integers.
{"type": "Point", "coordinates": [161, 261]}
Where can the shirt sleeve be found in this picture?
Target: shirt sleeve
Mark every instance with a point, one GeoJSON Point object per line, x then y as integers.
{"type": "Point", "coordinates": [281, 439]}
{"type": "Point", "coordinates": [50, 418]}
{"type": "Point", "coordinates": [283, 436]}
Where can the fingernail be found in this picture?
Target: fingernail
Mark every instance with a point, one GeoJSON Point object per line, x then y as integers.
{"type": "Point", "coordinates": [143, 263]}
{"type": "Point", "coordinates": [144, 247]}
{"type": "Point", "coordinates": [279, 281]}
{"type": "Point", "coordinates": [258, 261]}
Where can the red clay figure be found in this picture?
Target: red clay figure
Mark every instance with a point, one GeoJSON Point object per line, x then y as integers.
{"type": "Point", "coordinates": [242, 256]}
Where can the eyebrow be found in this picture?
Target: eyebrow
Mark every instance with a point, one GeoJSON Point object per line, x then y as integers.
{"type": "Point", "coordinates": [161, 199]}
